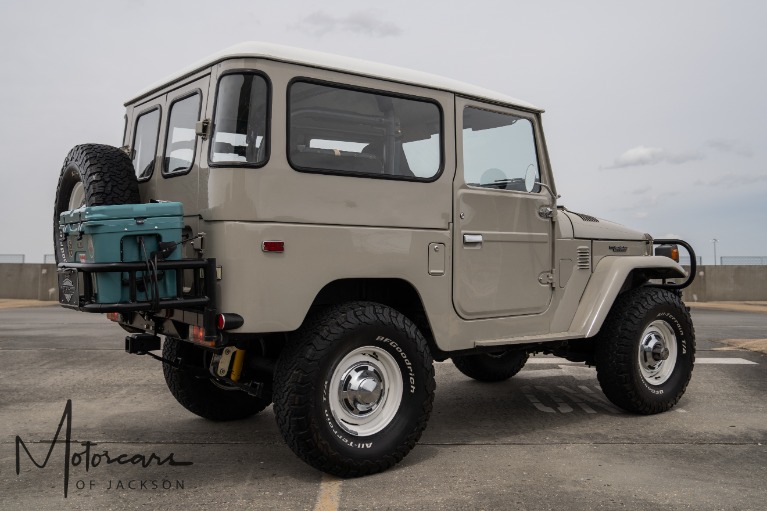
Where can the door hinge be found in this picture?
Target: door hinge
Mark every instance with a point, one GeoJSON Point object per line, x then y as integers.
{"type": "Point", "coordinates": [202, 128]}
{"type": "Point", "coordinates": [546, 278]}
{"type": "Point", "coordinates": [546, 212]}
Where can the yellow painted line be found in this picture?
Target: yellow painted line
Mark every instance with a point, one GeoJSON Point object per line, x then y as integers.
{"type": "Point", "coordinates": [748, 344]}
{"type": "Point", "coordinates": [752, 306]}
{"type": "Point", "coordinates": [330, 494]}
{"type": "Point", "coordinates": [6, 303]}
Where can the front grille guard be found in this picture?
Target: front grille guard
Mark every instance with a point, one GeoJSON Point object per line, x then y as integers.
{"type": "Point", "coordinates": [693, 264]}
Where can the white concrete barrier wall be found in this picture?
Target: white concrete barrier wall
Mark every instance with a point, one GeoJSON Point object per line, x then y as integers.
{"type": "Point", "coordinates": [28, 281]}
{"type": "Point", "coordinates": [713, 283]}
{"type": "Point", "coordinates": [728, 283]}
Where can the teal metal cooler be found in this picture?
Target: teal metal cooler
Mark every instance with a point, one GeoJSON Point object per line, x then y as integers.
{"type": "Point", "coordinates": [125, 233]}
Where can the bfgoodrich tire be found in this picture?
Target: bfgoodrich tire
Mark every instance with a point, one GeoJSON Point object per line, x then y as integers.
{"type": "Point", "coordinates": [203, 396]}
{"type": "Point", "coordinates": [645, 351]}
{"type": "Point", "coordinates": [92, 175]}
{"type": "Point", "coordinates": [354, 389]}
{"type": "Point", "coordinates": [491, 367]}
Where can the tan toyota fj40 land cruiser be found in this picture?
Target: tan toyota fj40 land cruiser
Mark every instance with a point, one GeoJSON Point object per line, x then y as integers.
{"type": "Point", "coordinates": [314, 231]}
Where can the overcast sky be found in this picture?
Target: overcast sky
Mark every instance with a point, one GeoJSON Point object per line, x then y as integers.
{"type": "Point", "coordinates": [656, 111]}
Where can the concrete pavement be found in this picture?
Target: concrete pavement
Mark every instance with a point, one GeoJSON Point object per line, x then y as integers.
{"type": "Point", "coordinates": [546, 439]}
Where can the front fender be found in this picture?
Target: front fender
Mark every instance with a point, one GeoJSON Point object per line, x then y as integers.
{"type": "Point", "coordinates": [606, 282]}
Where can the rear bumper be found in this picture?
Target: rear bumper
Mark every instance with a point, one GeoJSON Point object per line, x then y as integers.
{"type": "Point", "coordinates": [78, 289]}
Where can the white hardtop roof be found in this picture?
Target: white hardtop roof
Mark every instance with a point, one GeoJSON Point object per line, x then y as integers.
{"type": "Point", "coordinates": [338, 63]}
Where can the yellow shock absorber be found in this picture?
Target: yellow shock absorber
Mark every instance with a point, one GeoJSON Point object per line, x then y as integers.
{"type": "Point", "coordinates": [239, 358]}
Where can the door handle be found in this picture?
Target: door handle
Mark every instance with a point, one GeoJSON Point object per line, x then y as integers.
{"type": "Point", "coordinates": [472, 238]}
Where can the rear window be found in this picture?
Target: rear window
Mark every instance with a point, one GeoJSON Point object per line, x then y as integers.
{"type": "Point", "coordinates": [145, 143]}
{"type": "Point", "coordinates": [240, 121]}
{"type": "Point", "coordinates": [182, 139]}
{"type": "Point", "coordinates": [341, 130]}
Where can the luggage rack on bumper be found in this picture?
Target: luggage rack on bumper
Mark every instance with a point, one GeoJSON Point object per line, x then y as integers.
{"type": "Point", "coordinates": [77, 290]}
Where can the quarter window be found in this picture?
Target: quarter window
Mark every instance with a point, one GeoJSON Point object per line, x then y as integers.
{"type": "Point", "coordinates": [182, 139]}
{"type": "Point", "coordinates": [498, 150]}
{"type": "Point", "coordinates": [240, 122]}
{"type": "Point", "coordinates": [145, 143]}
{"type": "Point", "coordinates": [357, 132]}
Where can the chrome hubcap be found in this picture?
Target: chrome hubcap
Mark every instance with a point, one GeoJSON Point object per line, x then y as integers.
{"type": "Point", "coordinates": [657, 352]}
{"type": "Point", "coordinates": [361, 389]}
{"type": "Point", "coordinates": [365, 391]}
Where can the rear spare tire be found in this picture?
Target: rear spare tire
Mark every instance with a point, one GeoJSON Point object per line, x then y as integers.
{"type": "Point", "coordinates": [92, 175]}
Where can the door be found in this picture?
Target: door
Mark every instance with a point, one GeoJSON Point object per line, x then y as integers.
{"type": "Point", "coordinates": [178, 163]}
{"type": "Point", "coordinates": [502, 234]}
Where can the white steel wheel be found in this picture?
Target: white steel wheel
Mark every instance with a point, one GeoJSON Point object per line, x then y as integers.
{"type": "Point", "coordinates": [657, 352]}
{"type": "Point", "coordinates": [353, 388]}
{"type": "Point", "coordinates": [366, 391]}
{"type": "Point", "coordinates": [645, 350]}
{"type": "Point", "coordinates": [77, 199]}
{"type": "Point", "coordinates": [92, 175]}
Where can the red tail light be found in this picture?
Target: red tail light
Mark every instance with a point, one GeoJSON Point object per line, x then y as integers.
{"type": "Point", "coordinates": [229, 321]}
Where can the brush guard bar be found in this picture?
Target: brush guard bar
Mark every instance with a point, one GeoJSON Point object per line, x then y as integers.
{"type": "Point", "coordinates": [693, 263]}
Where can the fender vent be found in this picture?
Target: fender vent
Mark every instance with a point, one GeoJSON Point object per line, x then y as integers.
{"type": "Point", "coordinates": [585, 218]}
{"type": "Point", "coordinates": [584, 258]}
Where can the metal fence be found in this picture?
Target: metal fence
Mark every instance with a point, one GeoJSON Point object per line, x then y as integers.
{"type": "Point", "coordinates": [743, 260]}
{"type": "Point", "coordinates": [49, 258]}
{"type": "Point", "coordinates": [685, 260]}
{"type": "Point", "coordinates": [11, 258]}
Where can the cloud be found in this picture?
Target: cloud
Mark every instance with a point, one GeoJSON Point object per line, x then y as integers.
{"type": "Point", "coordinates": [641, 191]}
{"type": "Point", "coordinates": [368, 23]}
{"type": "Point", "coordinates": [642, 156]}
{"type": "Point", "coordinates": [732, 180]}
{"type": "Point", "coordinates": [639, 207]}
{"type": "Point", "coordinates": [730, 146]}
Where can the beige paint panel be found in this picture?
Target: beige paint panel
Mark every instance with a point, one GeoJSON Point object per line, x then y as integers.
{"type": "Point", "coordinates": [499, 277]}
{"type": "Point", "coordinates": [605, 284]}
{"type": "Point", "coordinates": [273, 291]}
{"type": "Point", "coordinates": [182, 187]}
{"type": "Point", "coordinates": [633, 248]}
{"type": "Point", "coordinates": [278, 193]}
{"type": "Point", "coordinates": [572, 282]}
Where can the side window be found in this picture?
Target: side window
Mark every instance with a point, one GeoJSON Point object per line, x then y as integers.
{"type": "Point", "coordinates": [181, 143]}
{"type": "Point", "coordinates": [362, 133]}
{"type": "Point", "coordinates": [498, 150]}
{"type": "Point", "coordinates": [240, 121]}
{"type": "Point", "coordinates": [145, 143]}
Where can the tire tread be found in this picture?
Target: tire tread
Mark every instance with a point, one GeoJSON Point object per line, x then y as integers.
{"type": "Point", "coordinates": [616, 343]}
{"type": "Point", "coordinates": [297, 369]}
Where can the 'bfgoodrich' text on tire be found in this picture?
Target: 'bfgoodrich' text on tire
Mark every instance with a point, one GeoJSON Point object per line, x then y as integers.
{"type": "Point", "coordinates": [645, 351]}
{"type": "Point", "coordinates": [354, 389]}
